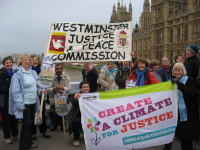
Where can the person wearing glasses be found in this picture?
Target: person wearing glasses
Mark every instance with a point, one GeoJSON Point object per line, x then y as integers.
{"type": "Point", "coordinates": [75, 121]}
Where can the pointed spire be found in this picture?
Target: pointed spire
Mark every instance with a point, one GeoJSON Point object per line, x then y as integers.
{"type": "Point", "coordinates": [146, 6]}
{"type": "Point", "coordinates": [130, 7]}
{"type": "Point", "coordinates": [124, 6]}
{"type": "Point", "coordinates": [118, 6]}
{"type": "Point", "coordinates": [114, 6]}
{"type": "Point", "coordinates": [136, 25]}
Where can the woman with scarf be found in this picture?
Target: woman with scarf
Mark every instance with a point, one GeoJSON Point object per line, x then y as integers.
{"type": "Point", "coordinates": [107, 77]}
{"type": "Point", "coordinates": [36, 65]}
{"type": "Point", "coordinates": [142, 75]}
{"type": "Point", "coordinates": [188, 119]}
{"type": "Point", "coordinates": [9, 123]}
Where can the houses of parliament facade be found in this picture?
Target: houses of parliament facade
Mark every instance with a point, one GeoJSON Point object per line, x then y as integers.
{"type": "Point", "coordinates": [166, 27]}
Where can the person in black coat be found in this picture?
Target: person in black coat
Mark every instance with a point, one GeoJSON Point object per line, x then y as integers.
{"type": "Point", "coordinates": [188, 117]}
{"type": "Point", "coordinates": [9, 123]}
{"type": "Point", "coordinates": [124, 71]}
{"type": "Point", "coordinates": [192, 63]}
{"type": "Point", "coordinates": [75, 121]}
{"type": "Point", "coordinates": [122, 75]}
{"type": "Point", "coordinates": [90, 75]}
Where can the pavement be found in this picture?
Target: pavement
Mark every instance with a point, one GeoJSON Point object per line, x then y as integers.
{"type": "Point", "coordinates": [59, 141]}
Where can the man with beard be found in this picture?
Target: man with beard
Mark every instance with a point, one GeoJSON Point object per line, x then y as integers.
{"type": "Point", "coordinates": [61, 84]}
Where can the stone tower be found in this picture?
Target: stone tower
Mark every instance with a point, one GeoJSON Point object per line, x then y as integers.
{"type": "Point", "coordinates": [145, 19]}
{"type": "Point", "coordinates": [174, 25]}
{"type": "Point", "coordinates": [121, 14]}
{"type": "Point", "coordinates": [142, 33]}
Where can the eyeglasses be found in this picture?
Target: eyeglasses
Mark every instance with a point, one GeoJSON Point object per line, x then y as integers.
{"type": "Point", "coordinates": [177, 70]}
{"type": "Point", "coordinates": [59, 68]}
{"type": "Point", "coordinates": [86, 87]}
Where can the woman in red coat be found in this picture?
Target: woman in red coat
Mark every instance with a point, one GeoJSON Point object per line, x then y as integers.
{"type": "Point", "coordinates": [142, 75]}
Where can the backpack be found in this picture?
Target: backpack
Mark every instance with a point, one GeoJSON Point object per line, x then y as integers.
{"type": "Point", "coordinates": [124, 74]}
{"type": "Point", "coordinates": [156, 75]}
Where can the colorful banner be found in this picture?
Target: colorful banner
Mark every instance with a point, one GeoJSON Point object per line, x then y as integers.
{"type": "Point", "coordinates": [84, 42]}
{"type": "Point", "coordinates": [47, 73]}
{"type": "Point", "coordinates": [130, 118]}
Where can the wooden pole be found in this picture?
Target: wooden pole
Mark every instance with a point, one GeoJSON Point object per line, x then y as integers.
{"type": "Point", "coordinates": [130, 66]}
{"type": "Point", "coordinates": [41, 106]}
{"type": "Point", "coordinates": [64, 129]}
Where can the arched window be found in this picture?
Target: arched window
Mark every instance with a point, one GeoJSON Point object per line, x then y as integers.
{"type": "Point", "coordinates": [178, 34]}
{"type": "Point", "coordinates": [186, 32]}
{"type": "Point", "coordinates": [171, 35]}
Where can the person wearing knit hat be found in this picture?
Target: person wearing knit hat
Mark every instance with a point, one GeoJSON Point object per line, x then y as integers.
{"type": "Point", "coordinates": [193, 48]}
{"type": "Point", "coordinates": [192, 63]}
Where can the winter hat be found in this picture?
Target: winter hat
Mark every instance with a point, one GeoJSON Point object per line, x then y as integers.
{"type": "Point", "coordinates": [193, 48]}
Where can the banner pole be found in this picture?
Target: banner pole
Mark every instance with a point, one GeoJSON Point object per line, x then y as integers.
{"type": "Point", "coordinates": [64, 129]}
{"type": "Point", "coordinates": [130, 66]}
{"type": "Point", "coordinates": [41, 106]}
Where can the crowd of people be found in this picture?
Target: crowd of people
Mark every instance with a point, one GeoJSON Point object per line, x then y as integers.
{"type": "Point", "coordinates": [20, 94]}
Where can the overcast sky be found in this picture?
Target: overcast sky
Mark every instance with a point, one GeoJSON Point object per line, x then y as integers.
{"type": "Point", "coordinates": [25, 24]}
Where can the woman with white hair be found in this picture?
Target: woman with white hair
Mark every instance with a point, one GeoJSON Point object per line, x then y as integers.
{"type": "Point", "coordinates": [23, 99]}
{"type": "Point", "coordinates": [188, 122]}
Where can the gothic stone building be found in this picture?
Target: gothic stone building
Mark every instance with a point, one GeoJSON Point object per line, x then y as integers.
{"type": "Point", "coordinates": [167, 28]}
{"type": "Point", "coordinates": [121, 14]}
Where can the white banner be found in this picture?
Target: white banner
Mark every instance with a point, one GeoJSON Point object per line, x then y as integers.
{"type": "Point", "coordinates": [84, 42]}
{"type": "Point", "coordinates": [132, 118]}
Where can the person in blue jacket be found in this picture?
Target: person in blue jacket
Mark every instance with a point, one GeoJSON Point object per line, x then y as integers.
{"type": "Point", "coordinates": [23, 99]}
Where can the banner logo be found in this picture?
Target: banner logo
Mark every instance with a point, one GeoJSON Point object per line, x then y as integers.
{"type": "Point", "coordinates": [57, 43]}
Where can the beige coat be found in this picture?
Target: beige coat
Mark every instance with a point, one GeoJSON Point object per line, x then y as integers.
{"type": "Point", "coordinates": [65, 81]}
{"type": "Point", "coordinates": [107, 83]}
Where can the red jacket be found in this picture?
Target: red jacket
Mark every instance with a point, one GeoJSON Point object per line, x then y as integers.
{"type": "Point", "coordinates": [149, 77]}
